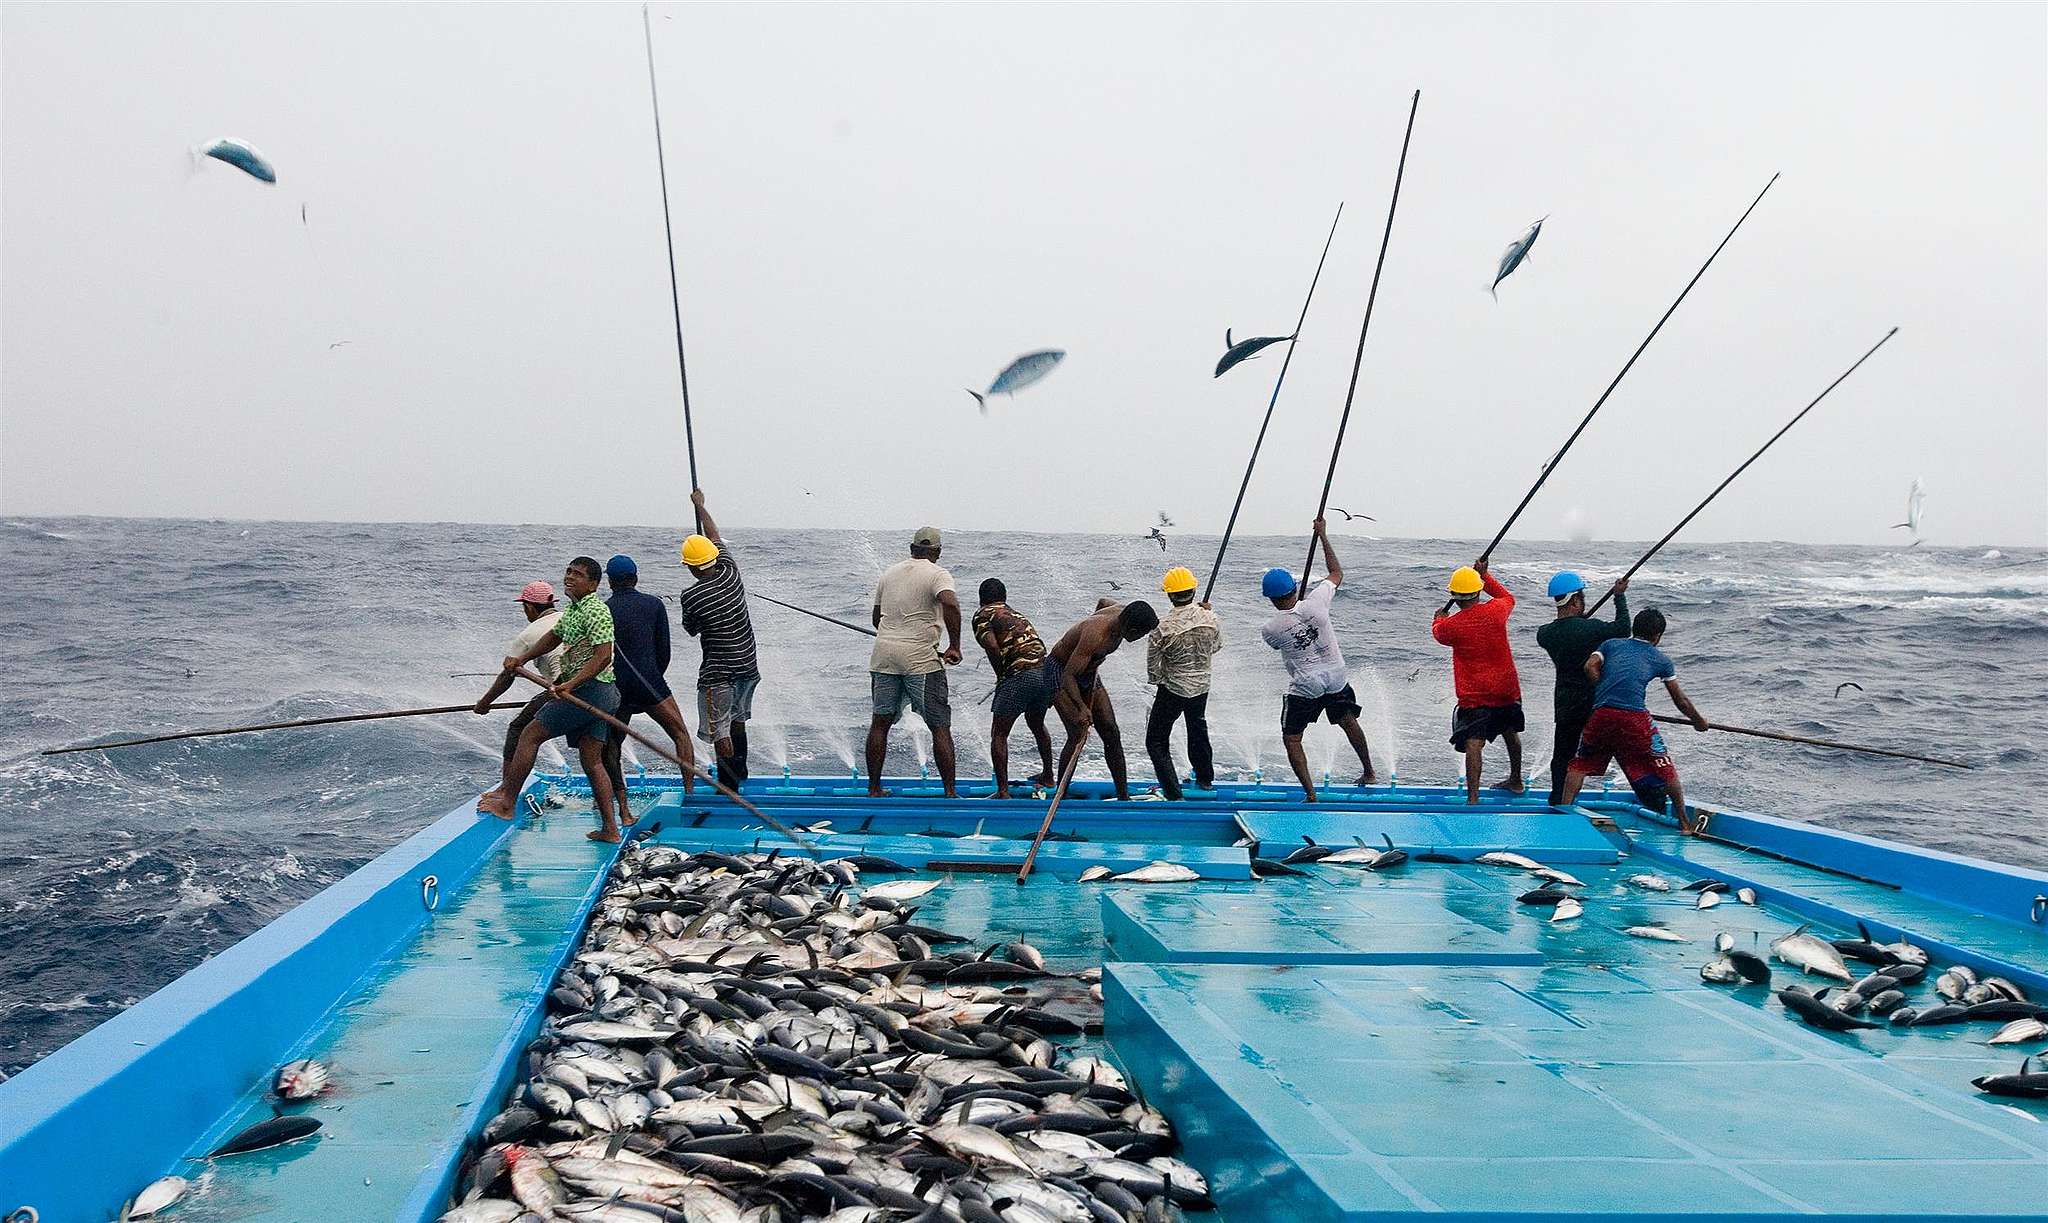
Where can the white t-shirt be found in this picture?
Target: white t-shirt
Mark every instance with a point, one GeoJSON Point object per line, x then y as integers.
{"type": "Point", "coordinates": [1308, 644]}
{"type": "Point", "coordinates": [907, 640]}
{"type": "Point", "coordinates": [530, 636]}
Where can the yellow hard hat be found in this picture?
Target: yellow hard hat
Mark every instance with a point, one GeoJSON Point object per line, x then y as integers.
{"type": "Point", "coordinates": [699, 551]}
{"type": "Point", "coordinates": [1178, 579]}
{"type": "Point", "coordinates": [1466, 582]}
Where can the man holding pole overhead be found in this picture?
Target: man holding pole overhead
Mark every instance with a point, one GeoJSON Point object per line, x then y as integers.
{"type": "Point", "coordinates": [1317, 685]}
{"type": "Point", "coordinates": [1570, 640]}
{"type": "Point", "coordinates": [715, 612]}
{"type": "Point", "coordinates": [1483, 671]}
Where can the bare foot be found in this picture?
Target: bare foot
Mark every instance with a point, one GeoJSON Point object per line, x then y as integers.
{"type": "Point", "coordinates": [627, 818]}
{"type": "Point", "coordinates": [949, 793]}
{"type": "Point", "coordinates": [607, 834]}
{"type": "Point", "coordinates": [494, 793]}
{"type": "Point", "coordinates": [495, 803]}
{"type": "Point", "coordinates": [1001, 792]}
{"type": "Point", "coordinates": [877, 792]}
{"type": "Point", "coordinates": [1513, 785]}
{"type": "Point", "coordinates": [1367, 779]}
{"type": "Point", "coordinates": [1041, 778]}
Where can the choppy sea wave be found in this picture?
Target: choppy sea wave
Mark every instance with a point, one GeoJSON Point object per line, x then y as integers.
{"type": "Point", "coordinates": [121, 870]}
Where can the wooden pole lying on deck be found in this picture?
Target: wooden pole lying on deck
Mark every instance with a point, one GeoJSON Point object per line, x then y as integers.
{"type": "Point", "coordinates": [1066, 778]}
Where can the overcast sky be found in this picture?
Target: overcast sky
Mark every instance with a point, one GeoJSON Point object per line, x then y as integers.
{"type": "Point", "coordinates": [878, 206]}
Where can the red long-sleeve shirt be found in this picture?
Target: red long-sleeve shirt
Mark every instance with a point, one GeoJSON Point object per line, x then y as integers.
{"type": "Point", "coordinates": [1482, 663]}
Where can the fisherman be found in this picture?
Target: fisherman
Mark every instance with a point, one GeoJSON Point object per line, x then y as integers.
{"type": "Point", "coordinates": [1570, 640]}
{"type": "Point", "coordinates": [715, 610]}
{"type": "Point", "coordinates": [537, 600]}
{"type": "Point", "coordinates": [1082, 701]}
{"type": "Point", "coordinates": [641, 654]}
{"type": "Point", "coordinates": [1017, 655]}
{"type": "Point", "coordinates": [1317, 685]}
{"type": "Point", "coordinates": [907, 667]}
{"type": "Point", "coordinates": [1483, 672]}
{"type": "Point", "coordinates": [583, 633]}
{"type": "Point", "coordinates": [1620, 727]}
{"type": "Point", "coordinates": [1177, 660]}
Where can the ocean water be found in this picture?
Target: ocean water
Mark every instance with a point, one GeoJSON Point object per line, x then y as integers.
{"type": "Point", "coordinates": [121, 870]}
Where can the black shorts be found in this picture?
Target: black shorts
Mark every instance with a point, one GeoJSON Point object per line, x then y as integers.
{"type": "Point", "coordinates": [1484, 722]}
{"type": "Point", "coordinates": [1296, 712]}
{"type": "Point", "coordinates": [1027, 691]}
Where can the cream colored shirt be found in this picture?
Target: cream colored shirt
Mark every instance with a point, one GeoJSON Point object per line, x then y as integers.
{"type": "Point", "coordinates": [547, 664]}
{"type": "Point", "coordinates": [1181, 648]}
{"type": "Point", "coordinates": [907, 640]}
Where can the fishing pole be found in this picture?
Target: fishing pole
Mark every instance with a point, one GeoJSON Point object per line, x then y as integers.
{"type": "Point", "coordinates": [814, 615]}
{"type": "Point", "coordinates": [1059, 794]}
{"type": "Point", "coordinates": [1659, 545]}
{"type": "Point", "coordinates": [527, 673]}
{"type": "Point", "coordinates": [1842, 747]}
{"type": "Point", "coordinates": [675, 296]}
{"type": "Point", "coordinates": [1285, 361]}
{"type": "Point", "coordinates": [243, 730]}
{"type": "Point", "coordinates": [1597, 404]}
{"type": "Point", "coordinates": [1358, 358]}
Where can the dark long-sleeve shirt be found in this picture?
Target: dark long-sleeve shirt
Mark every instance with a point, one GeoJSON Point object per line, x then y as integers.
{"type": "Point", "coordinates": [640, 624]}
{"type": "Point", "coordinates": [1570, 642]}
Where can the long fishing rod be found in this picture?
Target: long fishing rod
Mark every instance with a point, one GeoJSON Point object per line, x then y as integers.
{"type": "Point", "coordinates": [1358, 358]}
{"type": "Point", "coordinates": [532, 676]}
{"type": "Point", "coordinates": [243, 730]}
{"type": "Point", "coordinates": [814, 615]}
{"type": "Point", "coordinates": [1598, 403]}
{"type": "Point", "coordinates": [1840, 747]}
{"type": "Point", "coordinates": [1278, 382]}
{"type": "Point", "coordinates": [1669, 535]}
{"type": "Point", "coordinates": [1058, 795]}
{"type": "Point", "coordinates": [675, 296]}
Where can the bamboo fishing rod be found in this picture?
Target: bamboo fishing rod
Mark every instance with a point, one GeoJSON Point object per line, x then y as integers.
{"type": "Point", "coordinates": [1058, 795]}
{"type": "Point", "coordinates": [1278, 382]}
{"type": "Point", "coordinates": [243, 730]}
{"type": "Point", "coordinates": [675, 296]}
{"type": "Point", "coordinates": [814, 615]}
{"type": "Point", "coordinates": [1598, 403]}
{"type": "Point", "coordinates": [1781, 737]}
{"type": "Point", "coordinates": [1673, 532]}
{"type": "Point", "coordinates": [1358, 358]}
{"type": "Point", "coordinates": [532, 676]}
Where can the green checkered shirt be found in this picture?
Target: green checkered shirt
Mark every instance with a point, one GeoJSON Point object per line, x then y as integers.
{"type": "Point", "coordinates": [585, 625]}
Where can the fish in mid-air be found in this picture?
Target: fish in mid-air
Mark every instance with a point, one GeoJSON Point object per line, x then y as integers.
{"type": "Point", "coordinates": [1916, 497]}
{"type": "Point", "coordinates": [1516, 253]}
{"type": "Point", "coordinates": [239, 154]}
{"type": "Point", "coordinates": [1235, 351]}
{"type": "Point", "coordinates": [1019, 374]}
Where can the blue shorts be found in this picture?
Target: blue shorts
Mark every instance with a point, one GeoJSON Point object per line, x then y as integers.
{"type": "Point", "coordinates": [561, 718]}
{"type": "Point", "coordinates": [924, 694]}
{"type": "Point", "coordinates": [1027, 691]}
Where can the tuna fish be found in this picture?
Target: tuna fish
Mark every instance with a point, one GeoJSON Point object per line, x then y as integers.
{"type": "Point", "coordinates": [1658, 933]}
{"type": "Point", "coordinates": [1649, 883]}
{"type": "Point", "coordinates": [300, 1080]}
{"type": "Point", "coordinates": [2028, 1084]}
{"type": "Point", "coordinates": [1566, 910]}
{"type": "Point", "coordinates": [1019, 374]}
{"type": "Point", "coordinates": [1810, 954]}
{"type": "Point", "coordinates": [1501, 857]}
{"type": "Point", "coordinates": [1158, 872]}
{"type": "Point", "coordinates": [1235, 351]}
{"type": "Point", "coordinates": [158, 1195]}
{"type": "Point", "coordinates": [2019, 1032]}
{"type": "Point", "coordinates": [1515, 255]}
{"type": "Point", "coordinates": [274, 1132]}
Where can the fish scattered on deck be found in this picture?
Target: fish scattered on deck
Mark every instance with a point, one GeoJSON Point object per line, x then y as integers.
{"type": "Point", "coordinates": [1019, 374]}
{"type": "Point", "coordinates": [1811, 954]}
{"type": "Point", "coordinates": [1158, 872]}
{"type": "Point", "coordinates": [1501, 857]}
{"type": "Point", "coordinates": [1657, 933]}
{"type": "Point", "coordinates": [159, 1195]}
{"type": "Point", "coordinates": [1707, 900]}
{"type": "Point", "coordinates": [2028, 1084]}
{"type": "Point", "coordinates": [1566, 910]}
{"type": "Point", "coordinates": [300, 1080]}
{"type": "Point", "coordinates": [1095, 872]}
{"type": "Point", "coordinates": [1649, 883]}
{"type": "Point", "coordinates": [2019, 1032]}
{"type": "Point", "coordinates": [272, 1132]}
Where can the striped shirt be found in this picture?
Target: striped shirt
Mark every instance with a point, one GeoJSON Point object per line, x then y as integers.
{"type": "Point", "coordinates": [715, 610]}
{"type": "Point", "coordinates": [585, 625]}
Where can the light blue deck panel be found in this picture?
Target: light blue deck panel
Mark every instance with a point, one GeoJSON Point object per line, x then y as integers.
{"type": "Point", "coordinates": [1353, 1093]}
{"type": "Point", "coordinates": [1057, 859]}
{"type": "Point", "coordinates": [1554, 837]}
{"type": "Point", "coordinates": [1301, 924]}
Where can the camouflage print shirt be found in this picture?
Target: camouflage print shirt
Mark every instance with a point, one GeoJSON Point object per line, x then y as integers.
{"type": "Point", "coordinates": [585, 625]}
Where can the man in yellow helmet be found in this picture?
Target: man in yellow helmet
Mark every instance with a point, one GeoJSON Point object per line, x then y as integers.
{"type": "Point", "coordinates": [1178, 661]}
{"type": "Point", "coordinates": [715, 611]}
{"type": "Point", "coordinates": [1483, 671]}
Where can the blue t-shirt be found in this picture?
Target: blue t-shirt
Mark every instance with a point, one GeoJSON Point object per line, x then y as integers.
{"type": "Point", "coordinates": [640, 655]}
{"type": "Point", "coordinates": [1627, 667]}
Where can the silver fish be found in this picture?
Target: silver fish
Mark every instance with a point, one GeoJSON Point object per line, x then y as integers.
{"type": "Point", "coordinates": [1357, 855]}
{"type": "Point", "coordinates": [1095, 872]}
{"type": "Point", "coordinates": [2020, 1031]}
{"type": "Point", "coordinates": [1557, 877]}
{"type": "Point", "coordinates": [1810, 954]}
{"type": "Point", "coordinates": [901, 890]}
{"type": "Point", "coordinates": [1707, 900]}
{"type": "Point", "coordinates": [1235, 351]}
{"type": "Point", "coordinates": [1160, 872]}
{"type": "Point", "coordinates": [1566, 910]}
{"type": "Point", "coordinates": [1658, 933]}
{"type": "Point", "coordinates": [158, 1195]}
{"type": "Point", "coordinates": [300, 1080]}
{"type": "Point", "coordinates": [241, 155]}
{"type": "Point", "coordinates": [1649, 883]}
{"type": "Point", "coordinates": [1720, 970]}
{"type": "Point", "coordinates": [1515, 254]}
{"type": "Point", "coordinates": [1501, 857]}
{"type": "Point", "coordinates": [1746, 895]}
{"type": "Point", "coordinates": [1019, 374]}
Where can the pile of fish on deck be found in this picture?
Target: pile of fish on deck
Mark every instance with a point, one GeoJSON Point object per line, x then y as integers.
{"type": "Point", "coordinates": [754, 1038]}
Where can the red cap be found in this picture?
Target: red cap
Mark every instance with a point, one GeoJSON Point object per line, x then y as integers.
{"type": "Point", "coordinates": [540, 594]}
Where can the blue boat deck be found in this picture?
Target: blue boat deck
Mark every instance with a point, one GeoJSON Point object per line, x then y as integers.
{"type": "Point", "coordinates": [1343, 1045]}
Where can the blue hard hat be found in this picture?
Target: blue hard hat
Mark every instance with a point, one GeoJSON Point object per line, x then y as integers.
{"type": "Point", "coordinates": [621, 567]}
{"type": "Point", "coordinates": [1277, 583]}
{"type": "Point", "coordinates": [1566, 584]}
